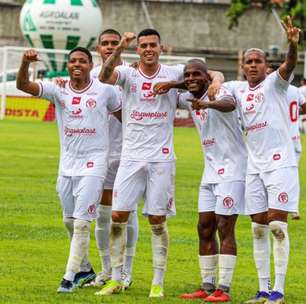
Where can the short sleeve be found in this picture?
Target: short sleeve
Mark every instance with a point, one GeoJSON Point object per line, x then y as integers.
{"type": "Point", "coordinates": [122, 74]}
{"type": "Point", "coordinates": [278, 81]}
{"type": "Point", "coordinates": [302, 98]}
{"type": "Point", "coordinates": [114, 99]}
{"type": "Point", "coordinates": [182, 102]}
{"type": "Point", "coordinates": [48, 90]}
{"type": "Point", "coordinates": [224, 94]}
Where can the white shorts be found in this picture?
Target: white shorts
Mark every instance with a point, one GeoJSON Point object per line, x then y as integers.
{"type": "Point", "coordinates": [80, 195]}
{"type": "Point", "coordinates": [222, 198]}
{"type": "Point", "coordinates": [150, 180]}
{"type": "Point", "coordinates": [113, 165]}
{"type": "Point", "coordinates": [277, 189]}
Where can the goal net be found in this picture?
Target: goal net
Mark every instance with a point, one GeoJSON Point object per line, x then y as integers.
{"type": "Point", "coordinates": [16, 105]}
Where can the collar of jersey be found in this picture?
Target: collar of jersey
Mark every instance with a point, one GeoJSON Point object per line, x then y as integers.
{"type": "Point", "coordinates": [149, 77]}
{"type": "Point", "coordinates": [255, 88]}
{"type": "Point", "coordinates": [80, 91]}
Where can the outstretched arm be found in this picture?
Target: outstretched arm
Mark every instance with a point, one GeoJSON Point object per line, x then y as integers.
{"type": "Point", "coordinates": [23, 83]}
{"type": "Point", "coordinates": [223, 105]}
{"type": "Point", "coordinates": [293, 34]}
{"type": "Point", "coordinates": [107, 73]}
{"type": "Point", "coordinates": [164, 87]}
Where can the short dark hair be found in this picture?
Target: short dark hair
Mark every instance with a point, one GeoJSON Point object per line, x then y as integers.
{"type": "Point", "coordinates": [109, 31]}
{"type": "Point", "coordinates": [148, 32]}
{"type": "Point", "coordinates": [199, 62]}
{"type": "Point", "coordinates": [83, 50]}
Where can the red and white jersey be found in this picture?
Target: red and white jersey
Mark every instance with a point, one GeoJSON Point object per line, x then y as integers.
{"type": "Point", "coordinates": [222, 141]}
{"type": "Point", "coordinates": [264, 115]}
{"type": "Point", "coordinates": [147, 119]}
{"type": "Point", "coordinates": [115, 126]}
{"type": "Point", "coordinates": [295, 101]}
{"type": "Point", "coordinates": [83, 123]}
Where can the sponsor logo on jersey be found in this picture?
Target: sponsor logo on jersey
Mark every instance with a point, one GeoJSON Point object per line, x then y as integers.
{"type": "Point", "coordinates": [92, 209]}
{"type": "Point", "coordinates": [250, 97]}
{"type": "Point", "coordinates": [277, 156]}
{"type": "Point", "coordinates": [91, 103]}
{"type": "Point", "coordinates": [250, 108]}
{"type": "Point", "coordinates": [90, 164]}
{"type": "Point", "coordinates": [154, 115]}
{"type": "Point", "coordinates": [209, 142]}
{"type": "Point", "coordinates": [221, 171]}
{"type": "Point", "coordinates": [146, 86]}
{"type": "Point", "coordinates": [76, 112]}
{"type": "Point", "coordinates": [170, 203]}
{"type": "Point", "coordinates": [165, 150]}
{"type": "Point", "coordinates": [77, 131]}
{"type": "Point", "coordinates": [257, 126]}
{"type": "Point", "coordinates": [228, 202]}
{"type": "Point", "coordinates": [76, 100]}
{"type": "Point", "coordinates": [283, 197]}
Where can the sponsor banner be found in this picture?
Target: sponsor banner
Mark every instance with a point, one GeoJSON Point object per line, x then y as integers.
{"type": "Point", "coordinates": [28, 109]}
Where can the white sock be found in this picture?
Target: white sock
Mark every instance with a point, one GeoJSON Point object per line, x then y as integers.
{"type": "Point", "coordinates": [208, 268]}
{"type": "Point", "coordinates": [227, 264]}
{"type": "Point", "coordinates": [132, 237]}
{"type": "Point", "coordinates": [160, 244]}
{"type": "Point", "coordinates": [281, 253]}
{"type": "Point", "coordinates": [85, 264]}
{"type": "Point", "coordinates": [102, 232]}
{"type": "Point", "coordinates": [261, 253]}
{"type": "Point", "coordinates": [78, 248]}
{"type": "Point", "coordinates": [118, 245]}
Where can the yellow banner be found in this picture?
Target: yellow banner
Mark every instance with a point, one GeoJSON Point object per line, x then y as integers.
{"type": "Point", "coordinates": [27, 108]}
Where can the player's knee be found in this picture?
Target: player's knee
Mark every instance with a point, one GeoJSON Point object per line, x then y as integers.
{"type": "Point", "coordinates": [156, 219]}
{"type": "Point", "coordinates": [119, 217]}
{"type": "Point", "coordinates": [277, 231]}
{"type": "Point", "coordinates": [258, 232]}
{"type": "Point", "coordinates": [205, 230]}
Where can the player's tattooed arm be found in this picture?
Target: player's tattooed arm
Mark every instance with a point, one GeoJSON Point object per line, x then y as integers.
{"type": "Point", "coordinates": [107, 73]}
{"type": "Point", "coordinates": [223, 105]}
{"type": "Point", "coordinates": [293, 35]}
{"type": "Point", "coordinates": [23, 82]}
{"type": "Point", "coordinates": [164, 87]}
{"type": "Point", "coordinates": [217, 78]}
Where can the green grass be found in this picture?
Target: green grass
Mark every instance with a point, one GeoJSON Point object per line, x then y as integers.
{"type": "Point", "coordinates": [34, 246]}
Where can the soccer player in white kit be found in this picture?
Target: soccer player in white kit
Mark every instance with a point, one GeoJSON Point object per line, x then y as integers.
{"type": "Point", "coordinates": [147, 166]}
{"type": "Point", "coordinates": [272, 173]}
{"type": "Point", "coordinates": [82, 108]}
{"type": "Point", "coordinates": [107, 42]}
{"type": "Point", "coordinates": [296, 106]}
{"type": "Point", "coordinates": [221, 195]}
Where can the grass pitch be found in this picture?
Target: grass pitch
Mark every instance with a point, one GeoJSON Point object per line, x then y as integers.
{"type": "Point", "coordinates": [34, 244]}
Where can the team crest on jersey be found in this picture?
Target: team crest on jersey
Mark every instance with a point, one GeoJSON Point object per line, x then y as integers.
{"type": "Point", "coordinates": [259, 97]}
{"type": "Point", "coordinates": [203, 115]}
{"type": "Point", "coordinates": [92, 209]}
{"type": "Point", "coordinates": [76, 100]}
{"type": "Point", "coordinates": [228, 202]}
{"type": "Point", "coordinates": [91, 103]}
{"type": "Point", "coordinates": [283, 198]}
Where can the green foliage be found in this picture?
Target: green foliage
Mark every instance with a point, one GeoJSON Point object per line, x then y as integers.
{"type": "Point", "coordinates": [294, 8]}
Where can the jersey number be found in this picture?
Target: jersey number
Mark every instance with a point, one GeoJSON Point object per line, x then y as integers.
{"type": "Point", "coordinates": [294, 111]}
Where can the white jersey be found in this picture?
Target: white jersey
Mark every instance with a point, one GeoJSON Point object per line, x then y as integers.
{"type": "Point", "coordinates": [264, 114]}
{"type": "Point", "coordinates": [303, 90]}
{"type": "Point", "coordinates": [82, 118]}
{"type": "Point", "coordinates": [295, 101]}
{"type": "Point", "coordinates": [115, 126]}
{"type": "Point", "coordinates": [148, 119]}
{"type": "Point", "coordinates": [222, 141]}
